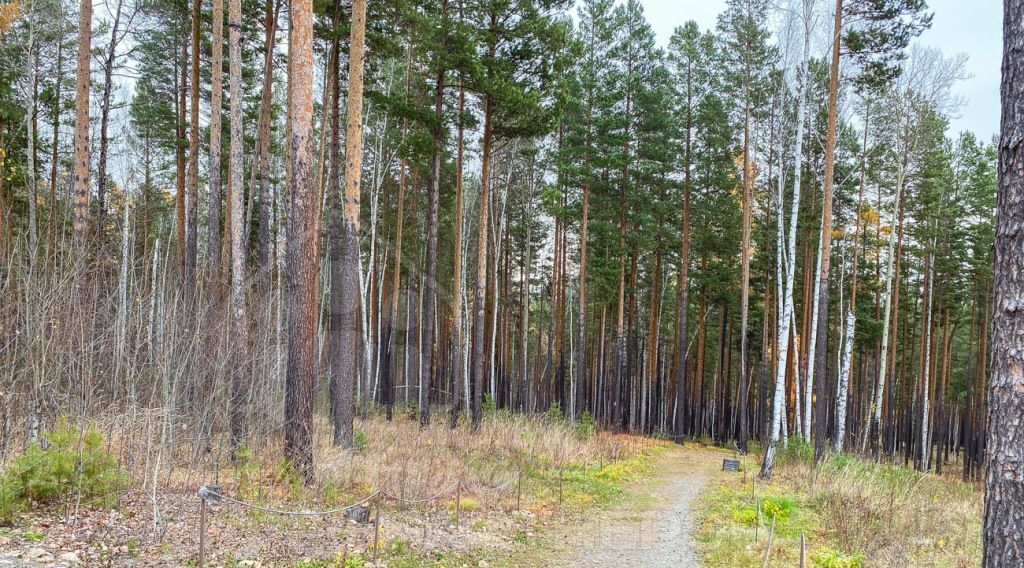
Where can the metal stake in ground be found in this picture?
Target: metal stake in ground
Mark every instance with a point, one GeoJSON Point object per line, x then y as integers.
{"type": "Point", "coordinates": [803, 550]}
{"type": "Point", "coordinates": [207, 495]}
{"type": "Point", "coordinates": [202, 531]}
{"type": "Point", "coordinates": [376, 528]}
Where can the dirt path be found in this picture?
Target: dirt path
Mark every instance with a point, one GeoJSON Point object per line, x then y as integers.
{"type": "Point", "coordinates": [654, 525]}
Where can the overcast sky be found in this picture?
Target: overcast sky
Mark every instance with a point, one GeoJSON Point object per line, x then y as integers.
{"type": "Point", "coordinates": [973, 27]}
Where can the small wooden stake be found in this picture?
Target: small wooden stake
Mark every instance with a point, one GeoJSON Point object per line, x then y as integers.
{"type": "Point", "coordinates": [757, 519]}
{"type": "Point", "coordinates": [803, 550]}
{"type": "Point", "coordinates": [560, 493]}
{"type": "Point", "coordinates": [458, 501]}
{"type": "Point", "coordinates": [519, 490]}
{"type": "Point", "coordinates": [376, 528]}
{"type": "Point", "coordinates": [202, 531]}
{"type": "Point", "coordinates": [771, 538]}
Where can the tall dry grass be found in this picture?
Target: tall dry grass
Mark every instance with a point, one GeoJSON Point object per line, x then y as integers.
{"type": "Point", "coordinates": [893, 514]}
{"type": "Point", "coordinates": [853, 512]}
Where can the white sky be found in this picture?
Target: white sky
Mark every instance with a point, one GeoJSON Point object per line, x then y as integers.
{"type": "Point", "coordinates": [973, 27]}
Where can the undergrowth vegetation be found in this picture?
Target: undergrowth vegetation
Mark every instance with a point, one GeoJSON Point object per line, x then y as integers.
{"type": "Point", "coordinates": [69, 465]}
{"type": "Point", "coordinates": [853, 513]}
{"type": "Point", "coordinates": [477, 494]}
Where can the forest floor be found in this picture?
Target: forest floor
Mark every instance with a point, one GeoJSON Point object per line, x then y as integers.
{"type": "Point", "coordinates": [464, 505]}
{"type": "Point", "coordinates": [521, 491]}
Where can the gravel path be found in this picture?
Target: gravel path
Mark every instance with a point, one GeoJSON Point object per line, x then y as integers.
{"type": "Point", "coordinates": [654, 525]}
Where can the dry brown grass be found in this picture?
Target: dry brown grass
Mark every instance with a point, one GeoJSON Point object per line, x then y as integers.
{"type": "Point", "coordinates": [157, 517]}
{"type": "Point", "coordinates": [399, 457]}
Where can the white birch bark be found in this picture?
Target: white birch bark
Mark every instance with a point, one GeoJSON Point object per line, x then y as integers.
{"type": "Point", "coordinates": [786, 298]}
{"type": "Point", "coordinates": [498, 231]}
{"type": "Point", "coordinates": [122, 302]}
{"type": "Point", "coordinates": [809, 384]}
{"type": "Point", "coordinates": [876, 419]}
{"type": "Point", "coordinates": [926, 374]}
{"type": "Point", "coordinates": [844, 381]}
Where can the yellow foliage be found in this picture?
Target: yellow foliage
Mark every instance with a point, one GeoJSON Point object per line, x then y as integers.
{"type": "Point", "coordinates": [869, 216]}
{"type": "Point", "coordinates": [9, 13]}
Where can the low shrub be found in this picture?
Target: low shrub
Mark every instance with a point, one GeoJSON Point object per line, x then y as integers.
{"type": "Point", "coordinates": [360, 441]}
{"type": "Point", "coordinates": [828, 558]}
{"type": "Point", "coordinates": [72, 463]}
{"type": "Point", "coordinates": [585, 426]}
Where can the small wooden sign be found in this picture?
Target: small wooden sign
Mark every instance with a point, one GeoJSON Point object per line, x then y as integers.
{"type": "Point", "coordinates": [730, 465]}
{"type": "Point", "coordinates": [210, 494]}
{"type": "Point", "coordinates": [358, 513]}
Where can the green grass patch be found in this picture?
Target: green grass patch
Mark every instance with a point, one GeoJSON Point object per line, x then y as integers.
{"type": "Point", "coordinates": [398, 553]}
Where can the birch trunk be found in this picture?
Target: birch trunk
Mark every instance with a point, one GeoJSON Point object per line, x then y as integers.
{"type": "Point", "coordinates": [844, 382]}
{"type": "Point", "coordinates": [784, 286]}
{"type": "Point", "coordinates": [108, 83]}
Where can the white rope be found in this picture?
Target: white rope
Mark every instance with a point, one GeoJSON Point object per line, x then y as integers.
{"type": "Point", "coordinates": [498, 488]}
{"type": "Point", "coordinates": [204, 491]}
{"type": "Point", "coordinates": [425, 500]}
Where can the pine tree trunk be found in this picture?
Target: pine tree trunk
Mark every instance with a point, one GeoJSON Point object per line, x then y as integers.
{"type": "Point", "coordinates": [457, 274]}
{"type": "Point", "coordinates": [192, 195]}
{"type": "Point", "coordinates": [748, 183]}
{"type": "Point", "coordinates": [213, 234]}
{"type": "Point", "coordinates": [51, 225]}
{"type": "Point", "coordinates": [30, 150]}
{"type": "Point", "coordinates": [261, 171]}
{"type": "Point", "coordinates": [480, 291]}
{"type": "Point", "coordinates": [350, 291]}
{"type": "Point", "coordinates": [581, 315]}
{"type": "Point", "coordinates": [432, 215]}
{"type": "Point", "coordinates": [334, 209]}
{"type": "Point", "coordinates": [180, 162]}
{"type": "Point", "coordinates": [240, 379]}
{"type": "Point", "coordinates": [820, 415]}
{"type": "Point", "coordinates": [1004, 491]}
{"type": "Point", "coordinates": [81, 158]}
{"type": "Point", "coordinates": [301, 248]}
